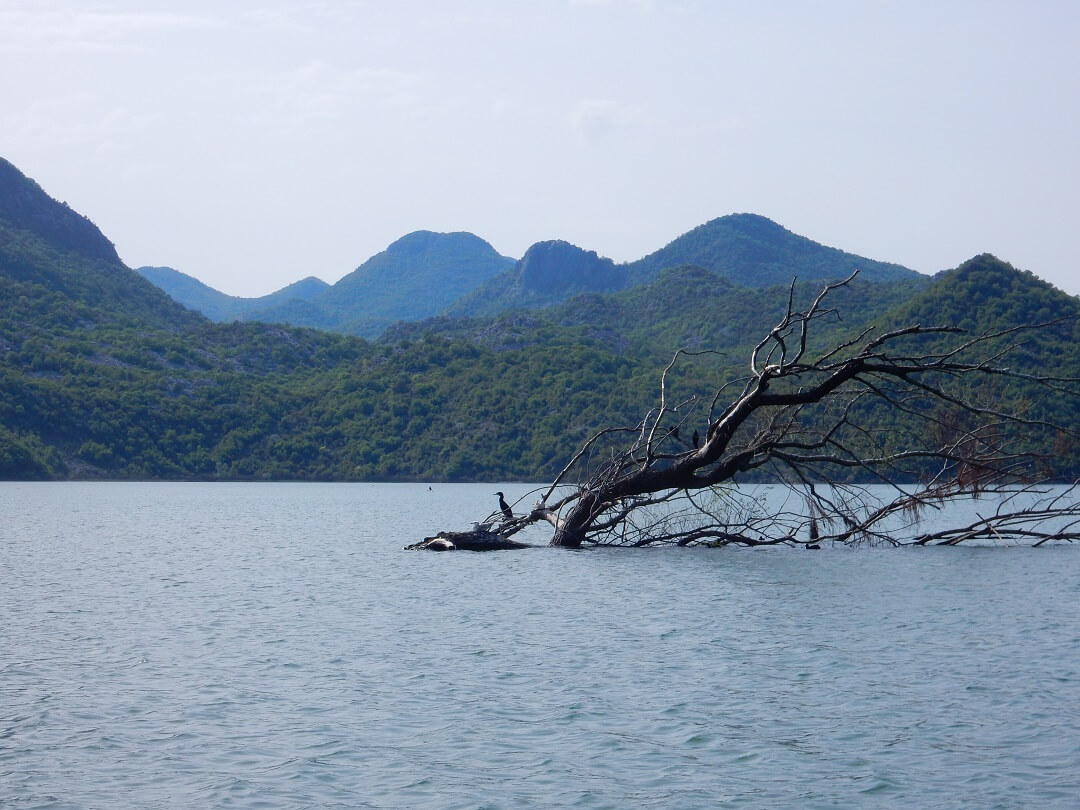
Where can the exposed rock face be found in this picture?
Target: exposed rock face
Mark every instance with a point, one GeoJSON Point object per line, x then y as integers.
{"type": "Point", "coordinates": [553, 268]}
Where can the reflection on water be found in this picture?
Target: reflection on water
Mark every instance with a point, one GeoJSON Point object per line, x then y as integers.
{"type": "Point", "coordinates": [271, 646]}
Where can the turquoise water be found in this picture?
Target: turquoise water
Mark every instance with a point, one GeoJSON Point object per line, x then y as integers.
{"type": "Point", "coordinates": [270, 645]}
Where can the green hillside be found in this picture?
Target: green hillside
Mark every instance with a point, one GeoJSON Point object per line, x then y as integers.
{"type": "Point", "coordinates": [684, 307]}
{"type": "Point", "coordinates": [104, 376]}
{"type": "Point", "coordinates": [753, 251]}
{"type": "Point", "coordinates": [460, 276]}
{"type": "Point", "coordinates": [24, 207]}
{"type": "Point", "coordinates": [548, 273]}
{"type": "Point", "coordinates": [415, 277]}
{"type": "Point", "coordinates": [217, 306]}
{"type": "Point", "coordinates": [747, 250]}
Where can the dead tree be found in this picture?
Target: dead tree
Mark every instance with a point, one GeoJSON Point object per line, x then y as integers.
{"type": "Point", "coordinates": [811, 418]}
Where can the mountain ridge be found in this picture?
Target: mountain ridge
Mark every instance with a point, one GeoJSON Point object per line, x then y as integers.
{"type": "Point", "coordinates": [25, 205]}
{"type": "Point", "coordinates": [104, 376]}
{"type": "Point", "coordinates": [754, 251]}
{"type": "Point", "coordinates": [219, 306]}
{"type": "Point", "coordinates": [60, 260]}
{"type": "Point", "coordinates": [411, 280]}
{"type": "Point", "coordinates": [414, 277]}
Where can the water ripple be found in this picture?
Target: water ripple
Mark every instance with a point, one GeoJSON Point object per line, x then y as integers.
{"type": "Point", "coordinates": [271, 646]}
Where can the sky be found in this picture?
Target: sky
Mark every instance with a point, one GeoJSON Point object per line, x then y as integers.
{"type": "Point", "coordinates": [252, 143]}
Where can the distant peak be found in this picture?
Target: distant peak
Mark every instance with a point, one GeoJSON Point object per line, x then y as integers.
{"type": "Point", "coordinates": [985, 261]}
{"type": "Point", "coordinates": [557, 245]}
{"type": "Point", "coordinates": [556, 266]}
{"type": "Point", "coordinates": [422, 240]}
{"type": "Point", "coordinates": [753, 251]}
{"type": "Point", "coordinates": [414, 238]}
{"type": "Point", "coordinates": [746, 218]}
{"type": "Point", "coordinates": [745, 222]}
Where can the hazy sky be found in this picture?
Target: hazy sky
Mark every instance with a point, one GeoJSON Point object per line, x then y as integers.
{"type": "Point", "coordinates": [251, 143]}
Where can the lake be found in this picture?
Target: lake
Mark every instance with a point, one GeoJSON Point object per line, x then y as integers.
{"type": "Point", "coordinates": [271, 646]}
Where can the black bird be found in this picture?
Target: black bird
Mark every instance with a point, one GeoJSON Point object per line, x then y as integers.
{"type": "Point", "coordinates": [696, 438]}
{"type": "Point", "coordinates": [505, 507]}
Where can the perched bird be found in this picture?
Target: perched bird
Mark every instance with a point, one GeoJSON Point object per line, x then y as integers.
{"type": "Point", "coordinates": [696, 438]}
{"type": "Point", "coordinates": [505, 507]}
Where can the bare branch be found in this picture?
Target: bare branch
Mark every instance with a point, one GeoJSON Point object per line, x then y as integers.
{"type": "Point", "coordinates": [898, 408]}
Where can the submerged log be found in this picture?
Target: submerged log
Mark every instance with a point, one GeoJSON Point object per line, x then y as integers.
{"type": "Point", "coordinates": [475, 540]}
{"type": "Point", "coordinates": [432, 544]}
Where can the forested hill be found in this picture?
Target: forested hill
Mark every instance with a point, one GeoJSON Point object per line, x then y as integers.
{"type": "Point", "coordinates": [415, 277]}
{"type": "Point", "coordinates": [986, 295]}
{"type": "Point", "coordinates": [460, 275]}
{"type": "Point", "coordinates": [548, 273]}
{"type": "Point", "coordinates": [25, 207]}
{"type": "Point", "coordinates": [57, 268]}
{"type": "Point", "coordinates": [754, 251]}
{"type": "Point", "coordinates": [217, 306]}
{"type": "Point", "coordinates": [103, 376]}
{"type": "Point", "coordinates": [688, 307]}
{"type": "Point", "coordinates": [748, 250]}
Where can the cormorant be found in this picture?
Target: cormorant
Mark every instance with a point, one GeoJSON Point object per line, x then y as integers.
{"type": "Point", "coordinates": [505, 507]}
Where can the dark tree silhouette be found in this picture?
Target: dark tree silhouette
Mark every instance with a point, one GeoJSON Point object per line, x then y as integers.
{"type": "Point", "coordinates": [906, 408]}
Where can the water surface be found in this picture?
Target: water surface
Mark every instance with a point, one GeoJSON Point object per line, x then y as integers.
{"type": "Point", "coordinates": [270, 645]}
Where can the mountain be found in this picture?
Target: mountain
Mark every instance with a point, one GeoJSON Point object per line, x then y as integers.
{"type": "Point", "coordinates": [754, 251]}
{"type": "Point", "coordinates": [985, 294]}
{"type": "Point", "coordinates": [56, 262]}
{"type": "Point", "coordinates": [415, 277]}
{"type": "Point", "coordinates": [104, 376]}
{"type": "Point", "coordinates": [461, 275]}
{"type": "Point", "coordinates": [24, 206]}
{"type": "Point", "coordinates": [217, 306]}
{"type": "Point", "coordinates": [549, 272]}
{"type": "Point", "coordinates": [749, 250]}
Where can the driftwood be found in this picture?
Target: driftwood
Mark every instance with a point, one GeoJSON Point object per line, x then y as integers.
{"type": "Point", "coordinates": [474, 540]}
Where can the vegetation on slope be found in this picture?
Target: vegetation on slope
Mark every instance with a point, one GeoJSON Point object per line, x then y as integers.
{"type": "Point", "coordinates": [217, 306]}
{"type": "Point", "coordinates": [754, 251]}
{"type": "Point", "coordinates": [415, 277]}
{"type": "Point", "coordinates": [103, 376]}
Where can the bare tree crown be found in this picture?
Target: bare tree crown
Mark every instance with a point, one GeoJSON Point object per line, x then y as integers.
{"type": "Point", "coordinates": [909, 408]}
